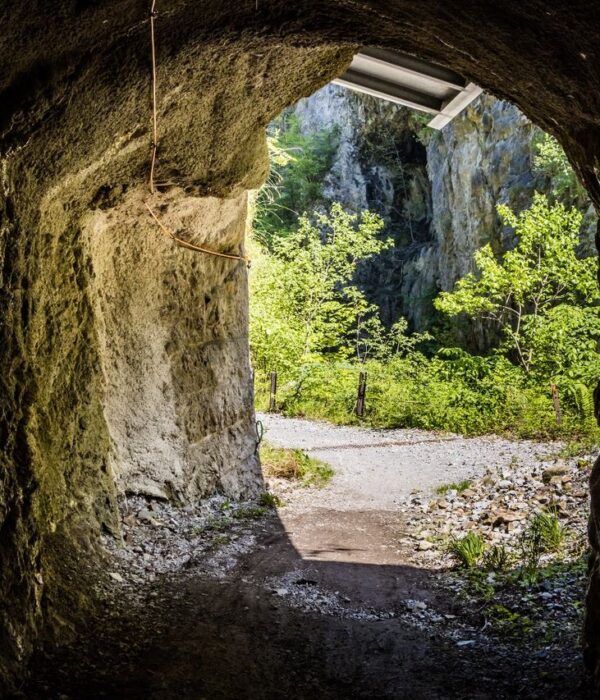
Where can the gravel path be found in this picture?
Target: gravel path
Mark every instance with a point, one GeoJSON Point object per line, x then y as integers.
{"type": "Point", "coordinates": [378, 469]}
{"type": "Point", "coordinates": [342, 592]}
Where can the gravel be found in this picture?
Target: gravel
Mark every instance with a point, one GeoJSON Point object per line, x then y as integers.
{"type": "Point", "coordinates": [378, 469]}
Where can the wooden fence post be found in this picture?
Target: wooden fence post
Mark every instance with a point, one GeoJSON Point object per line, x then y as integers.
{"type": "Point", "coordinates": [556, 402]}
{"type": "Point", "coordinates": [360, 398]}
{"type": "Point", "coordinates": [273, 393]}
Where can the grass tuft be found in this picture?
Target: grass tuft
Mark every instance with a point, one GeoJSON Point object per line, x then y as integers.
{"type": "Point", "coordinates": [497, 559]}
{"type": "Point", "coordinates": [271, 500]}
{"type": "Point", "coordinates": [284, 463]}
{"type": "Point", "coordinates": [546, 528]}
{"type": "Point", "coordinates": [469, 550]}
{"type": "Point", "coordinates": [459, 487]}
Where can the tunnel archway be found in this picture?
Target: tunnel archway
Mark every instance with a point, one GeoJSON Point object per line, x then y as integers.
{"type": "Point", "coordinates": [96, 305]}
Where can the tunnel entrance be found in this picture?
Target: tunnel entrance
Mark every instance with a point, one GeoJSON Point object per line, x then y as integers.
{"type": "Point", "coordinates": [336, 149]}
{"type": "Point", "coordinates": [124, 363]}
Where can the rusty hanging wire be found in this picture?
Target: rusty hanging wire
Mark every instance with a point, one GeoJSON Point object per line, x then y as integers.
{"type": "Point", "coordinates": [154, 144]}
{"type": "Point", "coordinates": [190, 246]}
{"type": "Point", "coordinates": [154, 148]}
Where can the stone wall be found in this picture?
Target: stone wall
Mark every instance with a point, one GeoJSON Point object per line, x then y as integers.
{"type": "Point", "coordinates": [124, 363]}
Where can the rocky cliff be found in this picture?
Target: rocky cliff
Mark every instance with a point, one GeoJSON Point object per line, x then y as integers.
{"type": "Point", "coordinates": [437, 191]}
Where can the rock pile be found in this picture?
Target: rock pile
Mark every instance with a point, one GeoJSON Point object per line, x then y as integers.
{"type": "Point", "coordinates": [161, 539]}
{"type": "Point", "coordinates": [500, 505]}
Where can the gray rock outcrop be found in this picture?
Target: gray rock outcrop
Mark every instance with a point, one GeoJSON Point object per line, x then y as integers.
{"type": "Point", "coordinates": [439, 201]}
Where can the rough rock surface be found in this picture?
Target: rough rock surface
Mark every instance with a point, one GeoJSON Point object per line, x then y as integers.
{"type": "Point", "coordinates": [74, 138]}
{"type": "Point", "coordinates": [123, 358]}
{"type": "Point", "coordinates": [178, 402]}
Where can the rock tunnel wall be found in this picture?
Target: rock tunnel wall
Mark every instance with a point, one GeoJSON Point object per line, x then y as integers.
{"type": "Point", "coordinates": [124, 363]}
{"type": "Point", "coordinates": [93, 300]}
{"type": "Point", "coordinates": [172, 332]}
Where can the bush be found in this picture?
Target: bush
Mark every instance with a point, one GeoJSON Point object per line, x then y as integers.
{"type": "Point", "coordinates": [294, 464]}
{"type": "Point", "coordinates": [488, 395]}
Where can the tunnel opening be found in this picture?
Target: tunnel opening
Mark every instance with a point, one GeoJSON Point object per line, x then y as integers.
{"type": "Point", "coordinates": [320, 153]}
{"type": "Point", "coordinates": [108, 389]}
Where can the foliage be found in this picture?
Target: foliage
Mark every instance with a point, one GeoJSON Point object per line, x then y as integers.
{"type": "Point", "coordinates": [299, 164]}
{"type": "Point", "coordinates": [551, 161]}
{"type": "Point", "coordinates": [541, 295]}
{"type": "Point", "coordinates": [294, 464]}
{"type": "Point", "coordinates": [469, 550]}
{"type": "Point", "coordinates": [304, 301]}
{"type": "Point", "coordinates": [451, 391]}
{"type": "Point", "coordinates": [509, 623]}
{"type": "Point", "coordinates": [458, 487]}
{"type": "Point", "coordinates": [271, 500]}
{"type": "Point", "coordinates": [497, 559]}
{"type": "Point", "coordinates": [276, 334]}
{"type": "Point", "coordinates": [249, 512]}
{"type": "Point", "coordinates": [544, 534]}
{"type": "Point", "coordinates": [546, 528]}
{"type": "Point", "coordinates": [312, 324]}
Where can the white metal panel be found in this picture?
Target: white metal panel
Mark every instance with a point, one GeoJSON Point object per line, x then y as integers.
{"type": "Point", "coordinates": [410, 81]}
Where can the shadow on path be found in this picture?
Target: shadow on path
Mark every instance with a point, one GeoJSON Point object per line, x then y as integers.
{"type": "Point", "coordinates": [195, 636]}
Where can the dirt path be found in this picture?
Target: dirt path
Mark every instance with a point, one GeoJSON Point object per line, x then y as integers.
{"type": "Point", "coordinates": [380, 468]}
{"type": "Point", "coordinates": [321, 599]}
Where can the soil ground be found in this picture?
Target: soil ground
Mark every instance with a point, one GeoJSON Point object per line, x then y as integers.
{"type": "Point", "coordinates": [323, 598]}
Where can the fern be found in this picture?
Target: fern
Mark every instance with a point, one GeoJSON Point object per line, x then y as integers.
{"type": "Point", "coordinates": [583, 400]}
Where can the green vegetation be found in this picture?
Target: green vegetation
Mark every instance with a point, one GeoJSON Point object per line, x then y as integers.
{"type": "Point", "coordinates": [508, 623]}
{"type": "Point", "coordinates": [284, 463]}
{"type": "Point", "coordinates": [249, 513]}
{"type": "Point", "coordinates": [220, 541]}
{"type": "Point", "coordinates": [312, 324]}
{"type": "Point", "coordinates": [459, 487]}
{"type": "Point", "coordinates": [546, 528]}
{"type": "Point", "coordinates": [271, 500]}
{"type": "Point", "coordinates": [497, 558]}
{"type": "Point", "coordinates": [550, 160]}
{"type": "Point", "coordinates": [541, 296]}
{"type": "Point", "coordinates": [304, 303]}
{"type": "Point", "coordinates": [469, 550]}
{"type": "Point", "coordinates": [299, 165]}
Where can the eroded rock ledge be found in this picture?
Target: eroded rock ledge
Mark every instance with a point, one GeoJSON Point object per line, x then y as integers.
{"type": "Point", "coordinates": [123, 360]}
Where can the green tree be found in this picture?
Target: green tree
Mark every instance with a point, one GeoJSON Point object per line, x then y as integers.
{"type": "Point", "coordinates": [303, 299]}
{"type": "Point", "coordinates": [276, 334]}
{"type": "Point", "coordinates": [535, 292]}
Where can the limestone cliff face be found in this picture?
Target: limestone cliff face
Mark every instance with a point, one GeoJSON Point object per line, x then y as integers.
{"type": "Point", "coordinates": [439, 202]}
{"type": "Point", "coordinates": [379, 165]}
{"type": "Point", "coordinates": [481, 159]}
